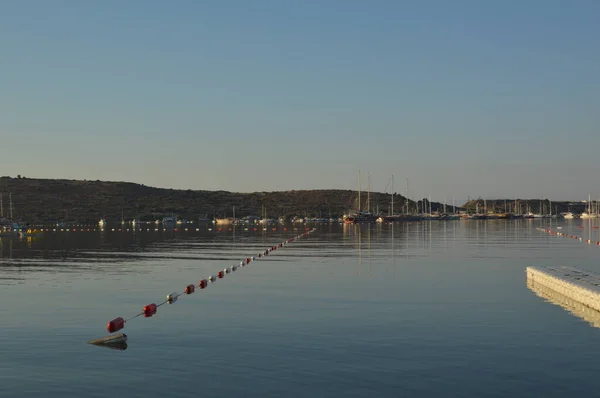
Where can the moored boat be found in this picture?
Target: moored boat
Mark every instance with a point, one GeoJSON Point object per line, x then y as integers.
{"type": "Point", "coordinates": [360, 217]}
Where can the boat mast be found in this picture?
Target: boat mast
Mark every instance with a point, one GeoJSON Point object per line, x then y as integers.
{"type": "Point", "coordinates": [407, 209]}
{"type": "Point", "coordinates": [369, 192]}
{"type": "Point", "coordinates": [1, 207]}
{"type": "Point", "coordinates": [429, 200]}
{"type": "Point", "coordinates": [359, 190]}
{"type": "Point", "coordinates": [392, 195]}
{"type": "Point", "coordinates": [10, 203]}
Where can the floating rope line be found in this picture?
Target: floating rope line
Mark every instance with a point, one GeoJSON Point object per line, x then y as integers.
{"type": "Point", "coordinates": [151, 309]}
{"type": "Point", "coordinates": [563, 235]}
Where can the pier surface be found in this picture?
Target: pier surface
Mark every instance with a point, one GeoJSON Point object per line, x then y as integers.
{"type": "Point", "coordinates": [576, 284]}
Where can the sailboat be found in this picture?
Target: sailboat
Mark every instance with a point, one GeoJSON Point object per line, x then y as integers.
{"type": "Point", "coordinates": [359, 215]}
{"type": "Point", "coordinates": [588, 213]}
{"type": "Point", "coordinates": [397, 217]}
{"type": "Point", "coordinates": [8, 226]}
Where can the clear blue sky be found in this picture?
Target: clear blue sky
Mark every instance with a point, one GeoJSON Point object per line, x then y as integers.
{"type": "Point", "coordinates": [463, 98]}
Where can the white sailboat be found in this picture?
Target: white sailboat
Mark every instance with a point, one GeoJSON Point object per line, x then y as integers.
{"type": "Point", "coordinates": [588, 213]}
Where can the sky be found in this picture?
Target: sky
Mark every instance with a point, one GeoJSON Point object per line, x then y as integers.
{"type": "Point", "coordinates": [462, 98]}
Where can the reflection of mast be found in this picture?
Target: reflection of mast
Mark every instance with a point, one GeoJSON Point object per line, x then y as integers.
{"type": "Point", "coordinates": [369, 239]}
{"type": "Point", "coordinates": [359, 244]}
{"type": "Point", "coordinates": [393, 249]}
{"type": "Point", "coordinates": [10, 243]}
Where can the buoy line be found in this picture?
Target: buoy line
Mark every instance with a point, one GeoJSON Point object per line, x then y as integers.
{"type": "Point", "coordinates": [118, 341]}
{"type": "Point", "coordinates": [563, 235]}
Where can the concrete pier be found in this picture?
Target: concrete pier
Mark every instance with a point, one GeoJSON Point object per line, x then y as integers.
{"type": "Point", "coordinates": [574, 284]}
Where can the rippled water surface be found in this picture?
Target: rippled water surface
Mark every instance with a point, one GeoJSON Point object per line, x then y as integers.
{"type": "Point", "coordinates": [417, 309]}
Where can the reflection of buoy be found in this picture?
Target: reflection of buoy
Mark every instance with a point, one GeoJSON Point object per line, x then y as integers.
{"type": "Point", "coordinates": [115, 342]}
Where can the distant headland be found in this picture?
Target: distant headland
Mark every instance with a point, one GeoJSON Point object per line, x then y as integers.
{"type": "Point", "coordinates": [59, 200]}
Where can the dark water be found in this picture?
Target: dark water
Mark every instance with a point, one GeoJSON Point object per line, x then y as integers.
{"type": "Point", "coordinates": [421, 309]}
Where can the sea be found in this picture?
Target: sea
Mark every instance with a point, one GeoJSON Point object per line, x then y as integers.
{"type": "Point", "coordinates": [418, 309]}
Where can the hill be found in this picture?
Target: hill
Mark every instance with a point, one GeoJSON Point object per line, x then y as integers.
{"type": "Point", "coordinates": [53, 200]}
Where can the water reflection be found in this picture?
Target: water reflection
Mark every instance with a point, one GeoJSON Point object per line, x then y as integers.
{"type": "Point", "coordinates": [115, 251]}
{"type": "Point", "coordinates": [582, 311]}
{"type": "Point", "coordinates": [118, 251]}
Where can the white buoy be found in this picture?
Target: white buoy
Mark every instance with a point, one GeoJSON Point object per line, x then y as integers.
{"type": "Point", "coordinates": [171, 298]}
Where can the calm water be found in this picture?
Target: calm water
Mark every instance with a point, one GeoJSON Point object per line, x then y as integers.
{"type": "Point", "coordinates": [421, 309]}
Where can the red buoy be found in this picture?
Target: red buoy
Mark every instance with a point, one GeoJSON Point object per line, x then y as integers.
{"type": "Point", "coordinates": [203, 283]}
{"type": "Point", "coordinates": [115, 324]}
{"type": "Point", "coordinates": [149, 310]}
{"type": "Point", "coordinates": [220, 274]}
{"type": "Point", "coordinates": [189, 289]}
{"type": "Point", "coordinates": [248, 260]}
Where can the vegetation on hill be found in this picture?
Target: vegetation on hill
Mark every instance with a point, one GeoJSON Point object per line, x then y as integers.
{"type": "Point", "coordinates": [52, 200]}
